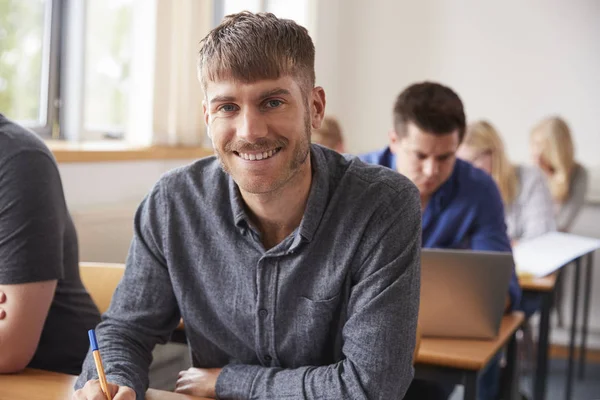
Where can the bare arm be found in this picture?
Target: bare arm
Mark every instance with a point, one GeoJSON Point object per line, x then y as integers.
{"type": "Point", "coordinates": [32, 221]}
{"type": "Point", "coordinates": [26, 308]}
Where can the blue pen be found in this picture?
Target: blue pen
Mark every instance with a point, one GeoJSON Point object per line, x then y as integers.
{"type": "Point", "coordinates": [98, 361]}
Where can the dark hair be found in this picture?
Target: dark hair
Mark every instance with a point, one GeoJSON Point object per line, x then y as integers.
{"type": "Point", "coordinates": [249, 47]}
{"type": "Point", "coordinates": [432, 107]}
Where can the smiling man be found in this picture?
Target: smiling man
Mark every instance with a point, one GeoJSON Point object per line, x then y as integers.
{"type": "Point", "coordinates": [462, 207]}
{"type": "Point", "coordinates": [295, 269]}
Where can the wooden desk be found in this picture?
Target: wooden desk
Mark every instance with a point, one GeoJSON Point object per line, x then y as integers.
{"type": "Point", "coordinates": [35, 384]}
{"type": "Point", "coordinates": [543, 284]}
{"type": "Point", "coordinates": [461, 361]}
{"type": "Point", "coordinates": [543, 287]}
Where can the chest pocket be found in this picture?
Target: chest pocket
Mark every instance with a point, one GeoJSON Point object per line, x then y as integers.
{"type": "Point", "coordinates": [316, 327]}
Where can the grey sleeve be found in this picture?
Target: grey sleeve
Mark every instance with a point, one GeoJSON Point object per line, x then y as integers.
{"type": "Point", "coordinates": [379, 331]}
{"type": "Point", "coordinates": [571, 208]}
{"type": "Point", "coordinates": [143, 310]}
{"type": "Point", "coordinates": [32, 219]}
{"type": "Point", "coordinates": [537, 210]}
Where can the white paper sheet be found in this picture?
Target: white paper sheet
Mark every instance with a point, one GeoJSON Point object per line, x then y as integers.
{"type": "Point", "coordinates": [547, 253]}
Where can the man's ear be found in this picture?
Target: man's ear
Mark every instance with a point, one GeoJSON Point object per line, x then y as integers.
{"type": "Point", "coordinates": [394, 141]}
{"type": "Point", "coordinates": [206, 117]}
{"type": "Point", "coordinates": [317, 107]}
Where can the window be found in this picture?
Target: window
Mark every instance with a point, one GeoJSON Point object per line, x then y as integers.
{"type": "Point", "coordinates": [87, 70]}
{"type": "Point", "coordinates": [70, 61]}
{"type": "Point", "coordinates": [107, 71]}
{"type": "Point", "coordinates": [297, 10]}
{"type": "Point", "coordinates": [25, 41]}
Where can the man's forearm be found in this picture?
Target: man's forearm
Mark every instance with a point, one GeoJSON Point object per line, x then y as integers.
{"type": "Point", "coordinates": [337, 381]}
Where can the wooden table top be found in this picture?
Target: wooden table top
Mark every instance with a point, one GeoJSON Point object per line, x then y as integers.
{"type": "Point", "coordinates": [543, 284]}
{"type": "Point", "coordinates": [467, 354]}
{"type": "Point", "coordinates": [35, 384]}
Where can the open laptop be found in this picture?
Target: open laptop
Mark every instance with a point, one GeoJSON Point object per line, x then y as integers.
{"type": "Point", "coordinates": [463, 293]}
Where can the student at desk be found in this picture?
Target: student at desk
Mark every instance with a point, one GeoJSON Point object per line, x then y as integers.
{"type": "Point", "coordinates": [553, 152]}
{"type": "Point", "coordinates": [286, 290]}
{"type": "Point", "coordinates": [462, 207]}
{"type": "Point", "coordinates": [528, 204]}
{"type": "Point", "coordinates": [45, 311]}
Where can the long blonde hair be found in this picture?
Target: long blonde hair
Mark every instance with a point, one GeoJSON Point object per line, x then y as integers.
{"type": "Point", "coordinates": [558, 154]}
{"type": "Point", "coordinates": [482, 136]}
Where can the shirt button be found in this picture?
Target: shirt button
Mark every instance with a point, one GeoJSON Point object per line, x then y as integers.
{"type": "Point", "coordinates": [268, 358]}
{"type": "Point", "coordinates": [262, 312]}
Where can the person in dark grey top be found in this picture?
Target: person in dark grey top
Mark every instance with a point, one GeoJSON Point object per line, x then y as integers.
{"type": "Point", "coordinates": [45, 309]}
{"type": "Point", "coordinates": [296, 269]}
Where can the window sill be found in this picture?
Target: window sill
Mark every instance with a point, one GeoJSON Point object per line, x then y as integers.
{"type": "Point", "coordinates": [66, 152]}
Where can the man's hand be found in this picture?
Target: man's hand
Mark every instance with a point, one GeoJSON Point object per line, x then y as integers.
{"type": "Point", "coordinates": [199, 382]}
{"type": "Point", "coordinates": [2, 300]}
{"type": "Point", "coordinates": [93, 391]}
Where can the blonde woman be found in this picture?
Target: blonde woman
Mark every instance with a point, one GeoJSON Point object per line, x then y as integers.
{"type": "Point", "coordinates": [552, 151]}
{"type": "Point", "coordinates": [528, 206]}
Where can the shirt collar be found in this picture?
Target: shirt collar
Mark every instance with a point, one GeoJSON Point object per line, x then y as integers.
{"type": "Point", "coordinates": [315, 206]}
{"type": "Point", "coordinates": [389, 159]}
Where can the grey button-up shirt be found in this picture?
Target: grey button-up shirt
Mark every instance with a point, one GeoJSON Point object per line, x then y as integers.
{"type": "Point", "coordinates": [328, 313]}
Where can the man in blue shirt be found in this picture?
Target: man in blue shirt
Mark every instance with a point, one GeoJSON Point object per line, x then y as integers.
{"type": "Point", "coordinates": [462, 207]}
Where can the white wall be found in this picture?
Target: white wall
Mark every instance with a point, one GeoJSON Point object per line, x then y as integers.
{"type": "Point", "coordinates": [102, 198]}
{"type": "Point", "coordinates": [512, 62]}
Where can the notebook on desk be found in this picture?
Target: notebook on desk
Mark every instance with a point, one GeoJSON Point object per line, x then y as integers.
{"type": "Point", "coordinates": [463, 293]}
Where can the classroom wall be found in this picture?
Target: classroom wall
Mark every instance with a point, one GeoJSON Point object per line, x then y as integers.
{"type": "Point", "coordinates": [103, 197]}
{"type": "Point", "coordinates": [512, 62]}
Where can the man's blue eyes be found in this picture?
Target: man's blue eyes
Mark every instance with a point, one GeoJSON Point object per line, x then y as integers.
{"type": "Point", "coordinates": [228, 107]}
{"type": "Point", "coordinates": [233, 107]}
{"type": "Point", "coordinates": [273, 103]}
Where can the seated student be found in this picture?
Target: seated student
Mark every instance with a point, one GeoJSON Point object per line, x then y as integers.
{"type": "Point", "coordinates": [462, 208]}
{"type": "Point", "coordinates": [552, 151]}
{"type": "Point", "coordinates": [329, 134]}
{"type": "Point", "coordinates": [286, 291]}
{"type": "Point", "coordinates": [528, 207]}
{"type": "Point", "coordinates": [45, 311]}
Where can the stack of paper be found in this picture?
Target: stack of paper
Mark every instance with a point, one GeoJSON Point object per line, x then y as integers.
{"type": "Point", "coordinates": [547, 253]}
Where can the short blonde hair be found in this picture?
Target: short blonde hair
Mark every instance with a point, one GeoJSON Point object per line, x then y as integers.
{"type": "Point", "coordinates": [482, 136]}
{"type": "Point", "coordinates": [558, 152]}
{"type": "Point", "coordinates": [329, 134]}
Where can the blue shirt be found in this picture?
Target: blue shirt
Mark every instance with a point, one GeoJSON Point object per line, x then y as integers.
{"type": "Point", "coordinates": [465, 212]}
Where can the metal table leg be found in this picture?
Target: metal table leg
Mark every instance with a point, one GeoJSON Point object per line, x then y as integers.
{"type": "Point", "coordinates": [470, 382]}
{"type": "Point", "coordinates": [510, 378]}
{"type": "Point", "coordinates": [541, 373]}
{"type": "Point", "coordinates": [569, 387]}
{"type": "Point", "coordinates": [586, 314]}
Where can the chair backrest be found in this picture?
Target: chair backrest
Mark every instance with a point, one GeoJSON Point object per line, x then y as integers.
{"type": "Point", "coordinates": [101, 280]}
